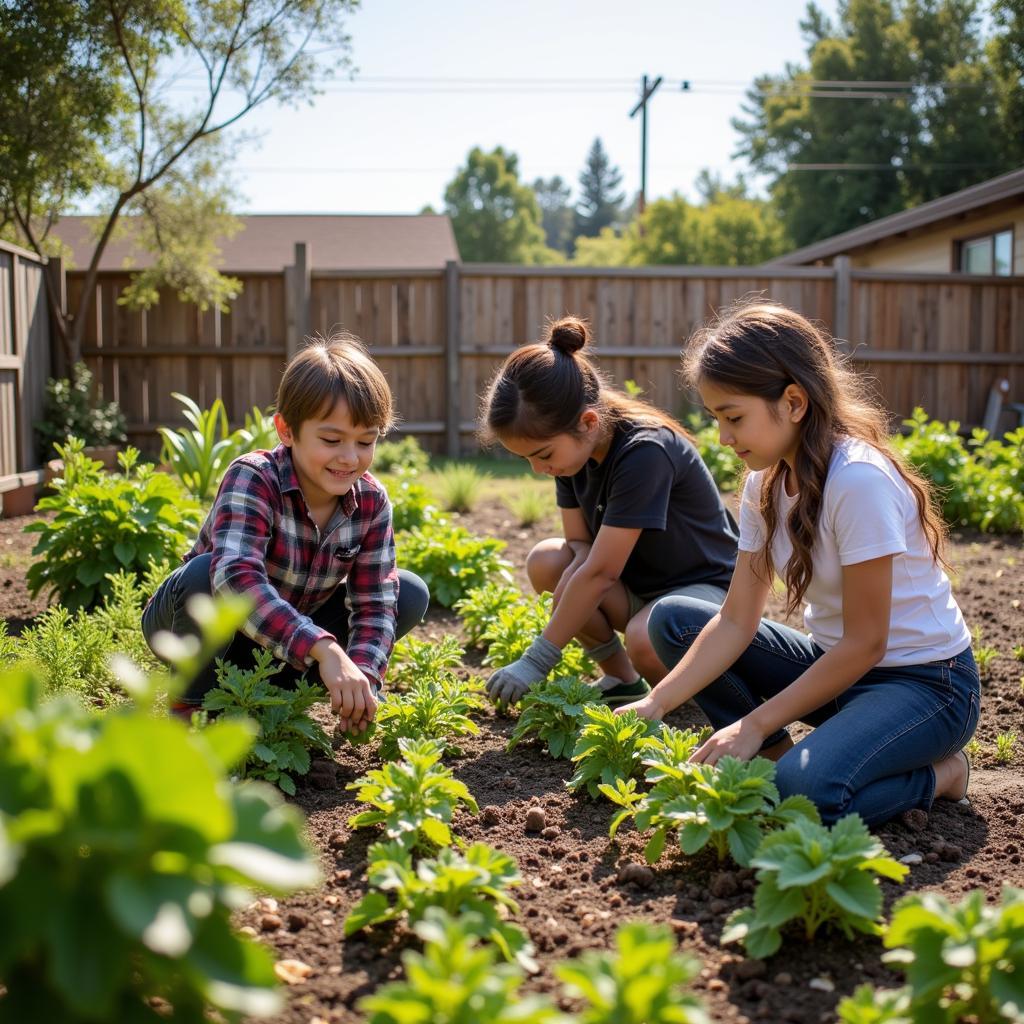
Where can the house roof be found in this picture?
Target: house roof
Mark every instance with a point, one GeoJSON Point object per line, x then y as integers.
{"type": "Point", "coordinates": [986, 193]}
{"type": "Point", "coordinates": [266, 242]}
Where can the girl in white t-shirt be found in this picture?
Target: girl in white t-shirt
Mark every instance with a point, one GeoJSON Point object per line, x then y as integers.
{"type": "Point", "coordinates": [886, 674]}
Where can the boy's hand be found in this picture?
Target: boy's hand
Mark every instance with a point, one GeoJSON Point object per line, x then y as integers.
{"type": "Point", "coordinates": [352, 697]}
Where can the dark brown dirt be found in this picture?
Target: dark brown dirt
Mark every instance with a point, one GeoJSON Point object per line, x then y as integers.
{"type": "Point", "coordinates": [573, 895]}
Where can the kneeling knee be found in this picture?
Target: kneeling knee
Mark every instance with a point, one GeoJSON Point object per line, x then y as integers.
{"type": "Point", "coordinates": [829, 794]}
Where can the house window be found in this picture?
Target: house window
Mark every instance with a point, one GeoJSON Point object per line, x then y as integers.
{"type": "Point", "coordinates": [988, 254]}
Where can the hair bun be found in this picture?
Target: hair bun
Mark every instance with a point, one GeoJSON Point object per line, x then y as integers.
{"type": "Point", "coordinates": [568, 335]}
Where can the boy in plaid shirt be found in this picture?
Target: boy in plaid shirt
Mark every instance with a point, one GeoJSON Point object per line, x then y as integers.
{"type": "Point", "coordinates": [302, 529]}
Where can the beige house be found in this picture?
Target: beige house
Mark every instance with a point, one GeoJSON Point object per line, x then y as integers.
{"type": "Point", "coordinates": [978, 230]}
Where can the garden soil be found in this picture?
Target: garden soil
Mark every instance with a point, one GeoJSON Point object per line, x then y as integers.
{"type": "Point", "coordinates": [578, 887]}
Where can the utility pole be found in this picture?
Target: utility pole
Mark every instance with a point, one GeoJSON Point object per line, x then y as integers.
{"type": "Point", "coordinates": [646, 92]}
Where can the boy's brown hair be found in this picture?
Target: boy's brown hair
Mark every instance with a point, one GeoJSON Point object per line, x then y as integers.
{"type": "Point", "coordinates": [331, 368]}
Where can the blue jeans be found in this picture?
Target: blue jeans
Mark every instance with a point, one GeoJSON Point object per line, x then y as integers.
{"type": "Point", "coordinates": [872, 747]}
{"type": "Point", "coordinates": [167, 611]}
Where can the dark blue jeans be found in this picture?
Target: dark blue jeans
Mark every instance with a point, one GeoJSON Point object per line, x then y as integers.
{"type": "Point", "coordinates": [167, 611]}
{"type": "Point", "coordinates": [873, 746]}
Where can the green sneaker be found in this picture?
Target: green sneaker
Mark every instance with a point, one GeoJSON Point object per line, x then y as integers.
{"type": "Point", "coordinates": [622, 693]}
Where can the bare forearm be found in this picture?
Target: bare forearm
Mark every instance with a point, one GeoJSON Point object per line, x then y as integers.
{"type": "Point", "coordinates": [834, 672]}
{"type": "Point", "coordinates": [579, 599]}
{"type": "Point", "coordinates": [717, 647]}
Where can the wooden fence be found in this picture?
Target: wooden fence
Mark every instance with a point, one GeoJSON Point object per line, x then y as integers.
{"type": "Point", "coordinates": [933, 340]}
{"type": "Point", "coordinates": [24, 356]}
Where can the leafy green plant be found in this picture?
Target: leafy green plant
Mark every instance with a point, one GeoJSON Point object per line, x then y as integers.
{"type": "Point", "coordinates": [401, 458]}
{"type": "Point", "coordinates": [640, 983]}
{"type": "Point", "coordinates": [511, 632]}
{"type": "Point", "coordinates": [286, 732]}
{"type": "Point", "coordinates": [480, 607]}
{"type": "Point", "coordinates": [1005, 742]}
{"type": "Point", "coordinates": [450, 560]}
{"type": "Point", "coordinates": [984, 656]}
{"type": "Point", "coordinates": [105, 522]}
{"type": "Point", "coordinates": [472, 884]}
{"type": "Point", "coordinates": [973, 747]}
{"type": "Point", "coordinates": [552, 713]}
{"type": "Point", "coordinates": [455, 980]}
{"type": "Point", "coordinates": [868, 1005]}
{"type": "Point", "coordinates": [413, 798]}
{"type": "Point", "coordinates": [460, 485]}
{"type": "Point", "coordinates": [671, 775]}
{"type": "Point", "coordinates": [199, 456]}
{"type": "Point", "coordinates": [124, 851]}
{"type": "Point", "coordinates": [530, 506]}
{"type": "Point", "coordinates": [411, 503]}
{"type": "Point", "coordinates": [609, 747]}
{"type": "Point", "coordinates": [817, 876]}
{"type": "Point", "coordinates": [963, 961]}
{"type": "Point", "coordinates": [432, 708]}
{"type": "Point", "coordinates": [1018, 652]}
{"type": "Point", "coordinates": [71, 411]}
{"type": "Point", "coordinates": [729, 805]}
{"type": "Point", "coordinates": [725, 465]}
{"type": "Point", "coordinates": [414, 659]}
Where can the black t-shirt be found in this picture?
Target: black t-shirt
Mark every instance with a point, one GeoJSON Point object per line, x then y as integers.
{"type": "Point", "coordinates": [654, 480]}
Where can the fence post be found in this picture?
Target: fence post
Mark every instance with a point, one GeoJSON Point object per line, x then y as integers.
{"type": "Point", "coordinates": [453, 414]}
{"type": "Point", "coordinates": [841, 316]}
{"type": "Point", "coordinates": [297, 298]}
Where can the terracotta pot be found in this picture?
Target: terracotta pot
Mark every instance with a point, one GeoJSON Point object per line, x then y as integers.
{"type": "Point", "coordinates": [18, 492]}
{"type": "Point", "coordinates": [107, 454]}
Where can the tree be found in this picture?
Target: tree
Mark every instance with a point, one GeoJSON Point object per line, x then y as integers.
{"type": "Point", "coordinates": [495, 217]}
{"type": "Point", "coordinates": [557, 216]}
{"type": "Point", "coordinates": [600, 200]}
{"type": "Point", "coordinates": [83, 117]}
{"type": "Point", "coordinates": [900, 147]}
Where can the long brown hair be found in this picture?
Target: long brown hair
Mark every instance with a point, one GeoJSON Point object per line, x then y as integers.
{"type": "Point", "coordinates": [543, 389]}
{"type": "Point", "coordinates": [759, 349]}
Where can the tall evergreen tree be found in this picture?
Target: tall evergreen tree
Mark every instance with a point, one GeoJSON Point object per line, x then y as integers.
{"type": "Point", "coordinates": [600, 199]}
{"type": "Point", "coordinates": [942, 133]}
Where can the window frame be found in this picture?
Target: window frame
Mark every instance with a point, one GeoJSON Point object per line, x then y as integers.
{"type": "Point", "coordinates": [959, 244]}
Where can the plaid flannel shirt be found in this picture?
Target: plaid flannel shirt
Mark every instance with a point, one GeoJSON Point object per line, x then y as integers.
{"type": "Point", "coordinates": [266, 546]}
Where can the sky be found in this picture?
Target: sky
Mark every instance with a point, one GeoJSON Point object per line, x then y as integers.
{"type": "Point", "coordinates": [542, 78]}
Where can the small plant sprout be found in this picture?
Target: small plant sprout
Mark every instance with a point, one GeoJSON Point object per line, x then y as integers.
{"type": "Point", "coordinates": [414, 659]}
{"type": "Point", "coordinates": [869, 1005]}
{"type": "Point", "coordinates": [552, 713]}
{"type": "Point", "coordinates": [472, 885]}
{"type": "Point", "coordinates": [413, 798]}
{"type": "Point", "coordinates": [508, 636]}
{"type": "Point", "coordinates": [1018, 652]}
{"type": "Point", "coordinates": [609, 747]}
{"type": "Point", "coordinates": [639, 983]}
{"type": "Point", "coordinates": [963, 961]}
{"type": "Point", "coordinates": [480, 607]}
{"type": "Point", "coordinates": [817, 876]}
{"type": "Point", "coordinates": [1005, 743]}
{"type": "Point", "coordinates": [973, 747]}
{"type": "Point", "coordinates": [460, 486]}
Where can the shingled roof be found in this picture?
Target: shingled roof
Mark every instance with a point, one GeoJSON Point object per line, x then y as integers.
{"type": "Point", "coordinates": [266, 242]}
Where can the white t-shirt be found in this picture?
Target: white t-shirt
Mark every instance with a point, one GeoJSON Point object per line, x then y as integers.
{"type": "Point", "coordinates": [868, 511]}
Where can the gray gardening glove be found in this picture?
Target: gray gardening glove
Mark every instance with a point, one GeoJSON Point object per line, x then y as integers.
{"type": "Point", "coordinates": [509, 684]}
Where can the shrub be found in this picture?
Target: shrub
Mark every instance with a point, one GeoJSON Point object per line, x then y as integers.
{"type": "Point", "coordinates": [450, 560]}
{"type": "Point", "coordinates": [199, 456]}
{"type": "Point", "coordinates": [71, 412]}
{"type": "Point", "coordinates": [124, 851]}
{"type": "Point", "coordinates": [963, 961]}
{"type": "Point", "coordinates": [815, 875]}
{"type": "Point", "coordinates": [508, 636]}
{"type": "Point", "coordinates": [411, 503]}
{"type": "Point", "coordinates": [472, 885]}
{"type": "Point", "coordinates": [725, 465]}
{"type": "Point", "coordinates": [432, 708]}
{"type": "Point", "coordinates": [403, 458]}
{"type": "Point", "coordinates": [530, 506]}
{"type": "Point", "coordinates": [107, 522]}
{"type": "Point", "coordinates": [480, 607]}
{"type": "Point", "coordinates": [609, 747]}
{"type": "Point", "coordinates": [459, 486]}
{"type": "Point", "coordinates": [455, 979]}
{"type": "Point", "coordinates": [552, 712]}
{"type": "Point", "coordinates": [638, 984]}
{"type": "Point", "coordinates": [286, 734]}
{"type": "Point", "coordinates": [413, 798]}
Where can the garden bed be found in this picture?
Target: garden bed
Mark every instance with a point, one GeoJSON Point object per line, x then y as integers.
{"type": "Point", "coordinates": [575, 891]}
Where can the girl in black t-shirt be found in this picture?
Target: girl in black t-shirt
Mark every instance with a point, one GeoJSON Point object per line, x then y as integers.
{"type": "Point", "coordinates": [641, 515]}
